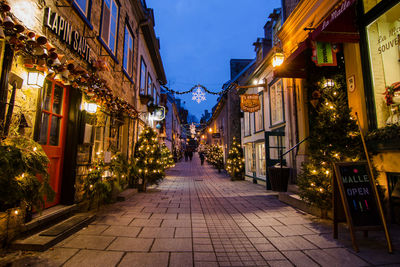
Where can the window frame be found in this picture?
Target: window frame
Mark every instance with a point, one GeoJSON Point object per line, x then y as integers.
{"type": "Point", "coordinates": [129, 29]}
{"type": "Point", "coordinates": [257, 113]}
{"type": "Point", "coordinates": [142, 91]}
{"type": "Point", "coordinates": [276, 82]}
{"type": "Point", "coordinates": [85, 17]}
{"type": "Point", "coordinates": [258, 159]}
{"type": "Point", "coordinates": [149, 84]}
{"type": "Point", "coordinates": [105, 44]}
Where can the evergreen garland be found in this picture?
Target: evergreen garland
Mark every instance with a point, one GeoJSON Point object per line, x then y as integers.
{"type": "Point", "coordinates": [334, 137]}
{"type": "Point", "coordinates": [148, 158]}
{"type": "Point", "coordinates": [235, 161]}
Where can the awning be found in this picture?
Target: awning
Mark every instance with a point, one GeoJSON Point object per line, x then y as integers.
{"type": "Point", "coordinates": [294, 65]}
{"type": "Point", "coordinates": [339, 26]}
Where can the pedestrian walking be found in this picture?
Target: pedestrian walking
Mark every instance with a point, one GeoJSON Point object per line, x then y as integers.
{"type": "Point", "coordinates": [186, 155]}
{"type": "Point", "coordinates": [201, 154]}
{"type": "Point", "coordinates": [190, 154]}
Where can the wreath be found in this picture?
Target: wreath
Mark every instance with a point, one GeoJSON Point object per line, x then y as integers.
{"type": "Point", "coordinates": [390, 92]}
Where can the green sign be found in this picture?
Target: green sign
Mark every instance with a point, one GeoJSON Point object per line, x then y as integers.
{"type": "Point", "coordinates": [324, 54]}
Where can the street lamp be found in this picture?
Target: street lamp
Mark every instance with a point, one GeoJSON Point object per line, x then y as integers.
{"type": "Point", "coordinates": [277, 59]}
{"type": "Point", "coordinates": [210, 130]}
{"type": "Point", "coordinates": [36, 79]}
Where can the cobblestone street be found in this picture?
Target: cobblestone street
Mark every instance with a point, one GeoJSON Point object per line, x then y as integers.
{"type": "Point", "coordinates": [199, 217]}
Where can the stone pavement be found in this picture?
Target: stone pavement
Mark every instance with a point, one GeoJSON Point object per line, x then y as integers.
{"type": "Point", "coordinates": [197, 217]}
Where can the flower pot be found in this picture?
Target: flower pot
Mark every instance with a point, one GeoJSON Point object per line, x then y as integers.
{"type": "Point", "coordinates": [279, 178]}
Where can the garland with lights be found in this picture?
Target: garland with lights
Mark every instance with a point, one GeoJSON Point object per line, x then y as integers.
{"type": "Point", "coordinates": [193, 88]}
{"type": "Point", "coordinates": [215, 156]}
{"type": "Point", "coordinates": [40, 55]}
{"type": "Point", "coordinates": [235, 161]}
{"type": "Point", "coordinates": [334, 137]}
{"type": "Point", "coordinates": [148, 158]}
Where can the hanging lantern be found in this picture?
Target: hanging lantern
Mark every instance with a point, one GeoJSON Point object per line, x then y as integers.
{"type": "Point", "coordinates": [277, 59]}
{"type": "Point", "coordinates": [329, 83]}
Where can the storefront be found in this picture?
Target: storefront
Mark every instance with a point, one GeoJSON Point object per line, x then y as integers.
{"type": "Point", "coordinates": [61, 98]}
{"type": "Point", "coordinates": [380, 51]}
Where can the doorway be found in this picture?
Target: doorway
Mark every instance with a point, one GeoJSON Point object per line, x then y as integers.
{"type": "Point", "coordinates": [52, 128]}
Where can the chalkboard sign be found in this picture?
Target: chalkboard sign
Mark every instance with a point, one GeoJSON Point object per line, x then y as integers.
{"type": "Point", "coordinates": [355, 181]}
{"type": "Point", "coordinates": [355, 195]}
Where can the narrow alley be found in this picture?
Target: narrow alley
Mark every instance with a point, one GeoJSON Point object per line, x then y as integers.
{"type": "Point", "coordinates": [197, 217]}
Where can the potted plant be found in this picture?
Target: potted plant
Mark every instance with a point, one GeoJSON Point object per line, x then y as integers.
{"type": "Point", "coordinates": [24, 174]}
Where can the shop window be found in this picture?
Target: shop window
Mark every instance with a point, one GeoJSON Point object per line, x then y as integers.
{"type": "Point", "coordinates": [149, 85]}
{"type": "Point", "coordinates": [246, 123]}
{"type": "Point", "coordinates": [143, 71]}
{"type": "Point", "coordinates": [261, 164]}
{"type": "Point", "coordinates": [83, 7]}
{"type": "Point", "coordinates": [369, 4]}
{"type": "Point", "coordinates": [276, 105]}
{"type": "Point", "coordinates": [128, 51]}
{"type": "Point", "coordinates": [249, 159]}
{"type": "Point", "coordinates": [384, 55]}
{"type": "Point", "coordinates": [259, 115]}
{"type": "Point", "coordinates": [109, 24]}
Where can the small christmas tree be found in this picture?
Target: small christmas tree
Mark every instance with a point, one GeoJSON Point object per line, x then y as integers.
{"type": "Point", "coordinates": [334, 137]}
{"type": "Point", "coordinates": [235, 162]}
{"type": "Point", "coordinates": [148, 158]}
{"type": "Point", "coordinates": [215, 156]}
{"type": "Point", "coordinates": [167, 159]}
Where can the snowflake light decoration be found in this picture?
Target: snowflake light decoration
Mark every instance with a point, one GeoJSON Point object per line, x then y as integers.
{"type": "Point", "coordinates": [199, 95]}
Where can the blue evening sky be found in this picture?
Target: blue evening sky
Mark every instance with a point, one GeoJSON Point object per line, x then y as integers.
{"type": "Point", "coordinates": [199, 37]}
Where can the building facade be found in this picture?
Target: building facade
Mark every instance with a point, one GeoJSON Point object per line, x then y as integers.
{"type": "Point", "coordinates": [72, 71]}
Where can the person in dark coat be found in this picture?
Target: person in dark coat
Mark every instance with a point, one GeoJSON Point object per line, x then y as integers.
{"type": "Point", "coordinates": [186, 155]}
{"type": "Point", "coordinates": [190, 154]}
{"type": "Point", "coordinates": [201, 154]}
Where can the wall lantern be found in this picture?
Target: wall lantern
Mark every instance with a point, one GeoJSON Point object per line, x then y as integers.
{"type": "Point", "coordinates": [203, 136]}
{"type": "Point", "coordinates": [90, 107]}
{"type": "Point", "coordinates": [329, 83]}
{"type": "Point", "coordinates": [36, 79]}
{"type": "Point", "coordinates": [210, 130]}
{"type": "Point", "coordinates": [277, 59]}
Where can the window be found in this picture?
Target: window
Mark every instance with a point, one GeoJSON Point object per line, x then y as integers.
{"type": "Point", "coordinates": [109, 24]}
{"type": "Point", "coordinates": [128, 52]}
{"type": "Point", "coordinates": [369, 4]}
{"type": "Point", "coordinates": [383, 40]}
{"type": "Point", "coordinates": [261, 164]}
{"type": "Point", "coordinates": [259, 115]}
{"type": "Point", "coordinates": [143, 71]}
{"type": "Point", "coordinates": [149, 85]}
{"type": "Point", "coordinates": [276, 103]}
{"type": "Point", "coordinates": [249, 159]}
{"type": "Point", "coordinates": [246, 123]}
{"type": "Point", "coordinates": [83, 6]}
{"type": "Point", "coordinates": [157, 98]}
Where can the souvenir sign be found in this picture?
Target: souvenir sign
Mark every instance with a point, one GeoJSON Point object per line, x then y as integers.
{"type": "Point", "coordinates": [250, 102]}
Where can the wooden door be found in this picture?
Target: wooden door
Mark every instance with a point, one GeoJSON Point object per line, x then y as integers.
{"type": "Point", "coordinates": [52, 131]}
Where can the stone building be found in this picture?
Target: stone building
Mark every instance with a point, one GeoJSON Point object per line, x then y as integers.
{"type": "Point", "coordinates": [86, 73]}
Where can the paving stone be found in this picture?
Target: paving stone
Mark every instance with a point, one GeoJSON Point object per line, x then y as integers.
{"type": "Point", "coordinates": [176, 223]}
{"type": "Point", "coordinates": [89, 242]}
{"type": "Point", "coordinates": [197, 247]}
{"type": "Point", "coordinates": [282, 263]}
{"type": "Point", "coordinates": [112, 220]}
{"type": "Point", "coordinates": [172, 244]}
{"type": "Point", "coordinates": [58, 256]}
{"type": "Point", "coordinates": [291, 230]}
{"type": "Point", "coordinates": [129, 231]}
{"type": "Point", "coordinates": [94, 258]}
{"type": "Point", "coordinates": [183, 232]}
{"type": "Point", "coordinates": [183, 259]}
{"type": "Point", "coordinates": [206, 264]}
{"type": "Point", "coordinates": [205, 256]}
{"type": "Point", "coordinates": [157, 232]}
{"type": "Point", "coordinates": [323, 241]}
{"type": "Point", "coordinates": [298, 258]}
{"type": "Point", "coordinates": [272, 255]}
{"type": "Point", "coordinates": [146, 222]}
{"type": "Point", "coordinates": [131, 244]}
{"type": "Point", "coordinates": [268, 231]}
{"type": "Point", "coordinates": [132, 259]}
{"type": "Point", "coordinates": [346, 256]}
{"type": "Point", "coordinates": [93, 229]}
{"type": "Point", "coordinates": [291, 243]}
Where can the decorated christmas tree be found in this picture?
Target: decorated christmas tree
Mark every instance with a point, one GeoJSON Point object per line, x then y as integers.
{"type": "Point", "coordinates": [333, 138]}
{"type": "Point", "coordinates": [148, 158]}
{"type": "Point", "coordinates": [167, 159]}
{"type": "Point", "coordinates": [235, 162]}
{"type": "Point", "coordinates": [215, 156]}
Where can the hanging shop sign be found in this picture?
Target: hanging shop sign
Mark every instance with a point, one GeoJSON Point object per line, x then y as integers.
{"type": "Point", "coordinates": [158, 114]}
{"type": "Point", "coordinates": [250, 102]}
{"type": "Point", "coordinates": [216, 135]}
{"type": "Point", "coordinates": [324, 54]}
{"type": "Point", "coordinates": [65, 32]}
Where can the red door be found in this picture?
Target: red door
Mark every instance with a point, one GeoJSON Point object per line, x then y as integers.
{"type": "Point", "coordinates": [52, 131]}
